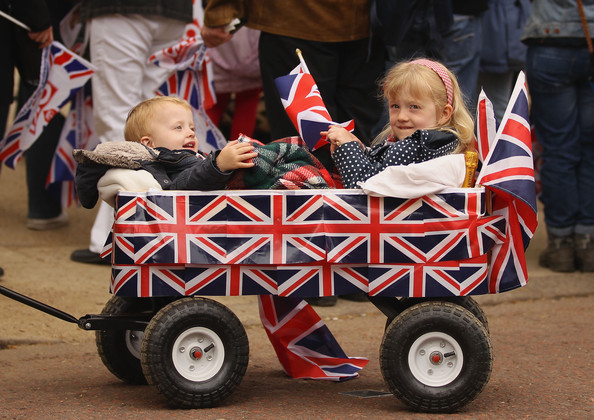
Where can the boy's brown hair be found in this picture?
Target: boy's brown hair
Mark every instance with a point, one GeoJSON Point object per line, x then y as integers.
{"type": "Point", "coordinates": [139, 117]}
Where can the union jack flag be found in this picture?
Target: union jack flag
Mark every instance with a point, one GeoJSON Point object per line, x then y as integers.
{"type": "Point", "coordinates": [303, 343]}
{"type": "Point", "coordinates": [189, 80]}
{"type": "Point", "coordinates": [320, 244]}
{"type": "Point", "coordinates": [364, 229]}
{"type": "Point", "coordinates": [509, 173]}
{"type": "Point", "coordinates": [446, 278]}
{"type": "Point", "coordinates": [78, 133]}
{"type": "Point", "coordinates": [205, 280]}
{"type": "Point", "coordinates": [321, 279]}
{"type": "Point", "coordinates": [62, 74]}
{"type": "Point", "coordinates": [486, 125]}
{"type": "Point", "coordinates": [304, 105]}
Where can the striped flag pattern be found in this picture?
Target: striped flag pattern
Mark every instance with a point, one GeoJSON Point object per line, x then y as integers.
{"type": "Point", "coordinates": [509, 173]}
{"type": "Point", "coordinates": [62, 74]}
{"type": "Point", "coordinates": [304, 106]}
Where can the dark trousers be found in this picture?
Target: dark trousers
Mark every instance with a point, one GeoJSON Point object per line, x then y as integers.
{"type": "Point", "coordinates": [346, 73]}
{"type": "Point", "coordinates": [24, 55]}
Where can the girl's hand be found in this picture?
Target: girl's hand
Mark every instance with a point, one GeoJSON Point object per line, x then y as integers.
{"type": "Point", "coordinates": [235, 155]}
{"type": "Point", "coordinates": [338, 136]}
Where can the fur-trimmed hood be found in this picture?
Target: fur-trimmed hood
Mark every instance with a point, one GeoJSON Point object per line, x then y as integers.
{"type": "Point", "coordinates": [117, 154]}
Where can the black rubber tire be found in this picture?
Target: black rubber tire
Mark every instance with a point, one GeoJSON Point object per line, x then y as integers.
{"type": "Point", "coordinates": [466, 302]}
{"type": "Point", "coordinates": [192, 319]}
{"type": "Point", "coordinates": [112, 345]}
{"type": "Point", "coordinates": [454, 391]}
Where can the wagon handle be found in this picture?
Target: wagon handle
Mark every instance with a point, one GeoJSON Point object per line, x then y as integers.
{"type": "Point", "coordinates": [38, 305]}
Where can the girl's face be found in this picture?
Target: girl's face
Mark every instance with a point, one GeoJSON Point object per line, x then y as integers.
{"type": "Point", "coordinates": [172, 127]}
{"type": "Point", "coordinates": [408, 114]}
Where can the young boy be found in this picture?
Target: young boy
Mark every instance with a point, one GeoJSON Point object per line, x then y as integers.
{"type": "Point", "coordinates": [164, 125]}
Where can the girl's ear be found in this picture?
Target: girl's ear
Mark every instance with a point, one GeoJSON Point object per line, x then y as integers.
{"type": "Point", "coordinates": [146, 140]}
{"type": "Point", "coordinates": [446, 114]}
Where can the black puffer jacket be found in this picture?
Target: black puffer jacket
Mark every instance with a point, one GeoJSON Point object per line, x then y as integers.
{"type": "Point", "coordinates": [184, 170]}
{"type": "Point", "coordinates": [173, 170]}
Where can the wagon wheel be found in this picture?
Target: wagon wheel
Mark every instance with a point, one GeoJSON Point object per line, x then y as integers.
{"type": "Point", "coordinates": [436, 357]}
{"type": "Point", "coordinates": [466, 302]}
{"type": "Point", "coordinates": [195, 351]}
{"type": "Point", "coordinates": [120, 349]}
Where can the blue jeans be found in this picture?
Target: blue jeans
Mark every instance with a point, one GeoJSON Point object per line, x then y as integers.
{"type": "Point", "coordinates": [462, 55]}
{"type": "Point", "coordinates": [563, 117]}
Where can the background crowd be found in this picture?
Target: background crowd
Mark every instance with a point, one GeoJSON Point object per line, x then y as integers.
{"type": "Point", "coordinates": [349, 46]}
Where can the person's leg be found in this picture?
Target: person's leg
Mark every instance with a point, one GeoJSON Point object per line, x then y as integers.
{"type": "Point", "coordinates": [163, 32]}
{"type": "Point", "coordinates": [7, 65]}
{"type": "Point", "coordinates": [277, 58]}
{"type": "Point", "coordinates": [584, 228]}
{"type": "Point", "coordinates": [555, 115]}
{"type": "Point", "coordinates": [44, 207]}
{"type": "Point", "coordinates": [216, 112]}
{"type": "Point", "coordinates": [120, 46]}
{"type": "Point", "coordinates": [461, 54]}
{"type": "Point", "coordinates": [358, 94]}
{"type": "Point", "coordinates": [346, 80]}
{"type": "Point", "coordinates": [244, 115]}
{"type": "Point", "coordinates": [498, 88]}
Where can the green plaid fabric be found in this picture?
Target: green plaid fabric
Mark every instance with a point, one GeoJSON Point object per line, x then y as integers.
{"type": "Point", "coordinates": [285, 164]}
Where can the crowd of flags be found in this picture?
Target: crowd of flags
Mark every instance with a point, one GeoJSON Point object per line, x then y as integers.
{"type": "Point", "coordinates": [65, 85]}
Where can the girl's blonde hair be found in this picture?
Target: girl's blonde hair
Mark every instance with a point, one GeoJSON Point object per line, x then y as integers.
{"type": "Point", "coordinates": [418, 80]}
{"type": "Point", "coordinates": [139, 117]}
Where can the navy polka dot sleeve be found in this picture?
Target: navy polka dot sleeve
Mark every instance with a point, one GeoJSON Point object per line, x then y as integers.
{"type": "Point", "coordinates": [355, 164]}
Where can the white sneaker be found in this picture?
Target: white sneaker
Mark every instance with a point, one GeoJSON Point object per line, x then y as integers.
{"type": "Point", "coordinates": [47, 224]}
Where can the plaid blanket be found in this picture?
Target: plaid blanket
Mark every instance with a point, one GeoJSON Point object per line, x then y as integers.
{"type": "Point", "coordinates": [286, 164]}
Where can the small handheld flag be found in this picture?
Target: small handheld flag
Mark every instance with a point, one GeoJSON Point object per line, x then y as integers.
{"type": "Point", "coordinates": [304, 105]}
{"type": "Point", "coordinates": [508, 172]}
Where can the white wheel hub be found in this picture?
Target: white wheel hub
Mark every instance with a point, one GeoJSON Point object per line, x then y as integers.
{"type": "Point", "coordinates": [435, 359]}
{"type": "Point", "coordinates": [198, 354]}
{"type": "Point", "coordinates": [133, 342]}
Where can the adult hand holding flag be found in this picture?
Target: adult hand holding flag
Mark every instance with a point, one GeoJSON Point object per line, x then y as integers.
{"type": "Point", "coordinates": [304, 105]}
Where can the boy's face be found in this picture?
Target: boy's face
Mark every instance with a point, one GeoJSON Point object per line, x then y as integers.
{"type": "Point", "coordinates": [408, 114]}
{"type": "Point", "coordinates": [172, 127]}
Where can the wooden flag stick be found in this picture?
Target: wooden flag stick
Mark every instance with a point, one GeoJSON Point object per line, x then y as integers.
{"type": "Point", "coordinates": [302, 60]}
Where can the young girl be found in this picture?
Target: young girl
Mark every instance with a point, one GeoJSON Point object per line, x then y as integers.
{"type": "Point", "coordinates": [428, 119]}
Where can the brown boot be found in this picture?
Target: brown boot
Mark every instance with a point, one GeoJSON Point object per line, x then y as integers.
{"type": "Point", "coordinates": [559, 255]}
{"type": "Point", "coordinates": [584, 252]}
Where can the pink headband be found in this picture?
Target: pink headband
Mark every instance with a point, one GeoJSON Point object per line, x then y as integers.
{"type": "Point", "coordinates": [443, 75]}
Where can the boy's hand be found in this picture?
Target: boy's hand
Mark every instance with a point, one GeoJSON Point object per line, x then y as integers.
{"type": "Point", "coordinates": [338, 136]}
{"type": "Point", "coordinates": [235, 156]}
